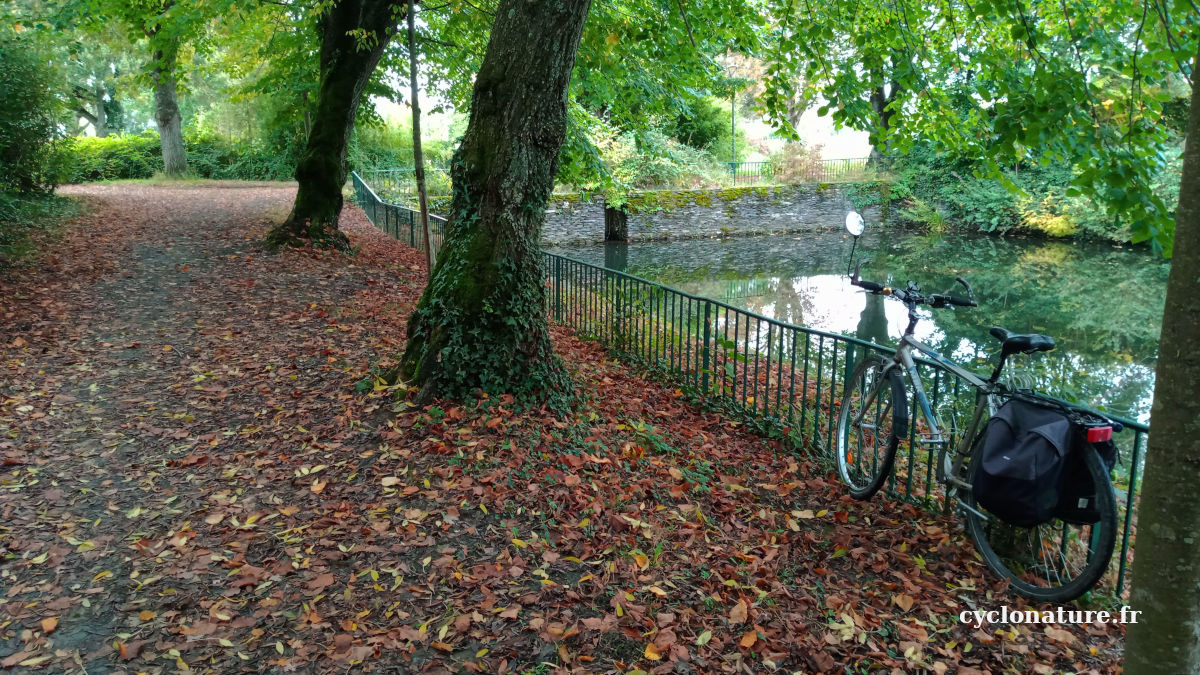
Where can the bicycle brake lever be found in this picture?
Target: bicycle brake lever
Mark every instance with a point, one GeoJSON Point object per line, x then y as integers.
{"type": "Point", "coordinates": [970, 291]}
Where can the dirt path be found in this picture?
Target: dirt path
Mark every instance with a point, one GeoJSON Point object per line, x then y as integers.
{"type": "Point", "coordinates": [200, 475]}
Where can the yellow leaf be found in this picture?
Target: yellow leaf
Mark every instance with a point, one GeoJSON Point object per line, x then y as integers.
{"type": "Point", "coordinates": [822, 512]}
{"type": "Point", "coordinates": [641, 559]}
{"type": "Point", "coordinates": [657, 591]}
{"type": "Point", "coordinates": [49, 624]}
{"type": "Point", "coordinates": [652, 652]}
{"type": "Point", "coordinates": [612, 39]}
{"type": "Point", "coordinates": [103, 575]}
{"type": "Point", "coordinates": [519, 543]}
{"type": "Point", "coordinates": [146, 615]}
{"type": "Point", "coordinates": [40, 559]}
{"type": "Point", "coordinates": [703, 638]}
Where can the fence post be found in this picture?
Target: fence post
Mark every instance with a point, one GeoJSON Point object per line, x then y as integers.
{"type": "Point", "coordinates": [850, 346]}
{"type": "Point", "coordinates": [412, 230]}
{"type": "Point", "coordinates": [704, 355]}
{"type": "Point", "coordinates": [557, 288]}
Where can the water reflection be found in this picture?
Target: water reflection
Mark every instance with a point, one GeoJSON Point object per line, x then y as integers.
{"type": "Point", "coordinates": [1102, 305]}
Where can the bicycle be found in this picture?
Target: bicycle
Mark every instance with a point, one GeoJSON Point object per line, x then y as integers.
{"type": "Point", "coordinates": [1053, 562]}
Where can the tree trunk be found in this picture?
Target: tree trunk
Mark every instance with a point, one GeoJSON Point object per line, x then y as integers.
{"type": "Point", "coordinates": [481, 323]}
{"type": "Point", "coordinates": [1166, 566]}
{"type": "Point", "coordinates": [166, 113]}
{"type": "Point", "coordinates": [616, 224]}
{"type": "Point", "coordinates": [100, 119]}
{"type": "Point", "coordinates": [346, 66]}
{"type": "Point", "coordinates": [418, 155]}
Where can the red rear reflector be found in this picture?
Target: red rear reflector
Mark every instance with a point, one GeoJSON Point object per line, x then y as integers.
{"type": "Point", "coordinates": [1097, 434]}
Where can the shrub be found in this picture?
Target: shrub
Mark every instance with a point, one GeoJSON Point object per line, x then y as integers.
{"type": "Point", "coordinates": [114, 158]}
{"type": "Point", "coordinates": [797, 163]}
{"type": "Point", "coordinates": [29, 118]}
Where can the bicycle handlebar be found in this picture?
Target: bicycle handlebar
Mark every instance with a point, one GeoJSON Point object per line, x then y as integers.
{"type": "Point", "coordinates": [913, 295]}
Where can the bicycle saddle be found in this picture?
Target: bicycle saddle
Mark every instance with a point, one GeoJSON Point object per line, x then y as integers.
{"type": "Point", "coordinates": [1024, 343]}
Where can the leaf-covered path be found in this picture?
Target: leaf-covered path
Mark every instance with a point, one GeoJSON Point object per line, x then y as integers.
{"type": "Point", "coordinates": [201, 474]}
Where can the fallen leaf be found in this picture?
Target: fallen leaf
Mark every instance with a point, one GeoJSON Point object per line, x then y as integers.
{"type": "Point", "coordinates": [49, 624]}
{"type": "Point", "coordinates": [652, 652]}
{"type": "Point", "coordinates": [1059, 635]}
{"type": "Point", "coordinates": [130, 650]}
{"type": "Point", "coordinates": [739, 612]}
{"type": "Point", "coordinates": [749, 639]}
{"type": "Point", "coordinates": [320, 581]}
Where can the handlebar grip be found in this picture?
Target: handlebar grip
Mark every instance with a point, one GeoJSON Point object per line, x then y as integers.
{"type": "Point", "coordinates": [870, 286]}
{"type": "Point", "coordinates": [961, 302]}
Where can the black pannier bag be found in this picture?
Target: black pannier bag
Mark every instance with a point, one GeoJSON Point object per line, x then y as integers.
{"type": "Point", "coordinates": [1077, 491]}
{"type": "Point", "coordinates": [1025, 450]}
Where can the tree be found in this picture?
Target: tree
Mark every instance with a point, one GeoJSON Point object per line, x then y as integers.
{"type": "Point", "coordinates": [164, 75]}
{"type": "Point", "coordinates": [481, 322]}
{"type": "Point", "coordinates": [164, 27]}
{"type": "Point", "coordinates": [1007, 82]}
{"type": "Point", "coordinates": [354, 34]}
{"type": "Point", "coordinates": [1166, 568]}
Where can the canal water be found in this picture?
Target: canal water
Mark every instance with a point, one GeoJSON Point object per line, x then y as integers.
{"type": "Point", "coordinates": [1102, 304]}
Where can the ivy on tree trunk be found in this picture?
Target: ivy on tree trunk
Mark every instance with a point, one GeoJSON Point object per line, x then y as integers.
{"type": "Point", "coordinates": [481, 323]}
{"type": "Point", "coordinates": [1166, 566]}
{"type": "Point", "coordinates": [354, 34]}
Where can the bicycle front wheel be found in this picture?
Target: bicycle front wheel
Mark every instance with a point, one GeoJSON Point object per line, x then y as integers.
{"type": "Point", "coordinates": [873, 417]}
{"type": "Point", "coordinates": [1055, 561]}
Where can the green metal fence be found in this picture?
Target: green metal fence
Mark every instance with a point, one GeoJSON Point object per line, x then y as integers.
{"type": "Point", "coordinates": [751, 172]}
{"type": "Point", "coordinates": [780, 376]}
{"type": "Point", "coordinates": [816, 171]}
{"type": "Point", "coordinates": [400, 222]}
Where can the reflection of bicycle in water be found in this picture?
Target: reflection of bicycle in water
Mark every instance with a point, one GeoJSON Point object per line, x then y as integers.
{"type": "Point", "coordinates": [1053, 561]}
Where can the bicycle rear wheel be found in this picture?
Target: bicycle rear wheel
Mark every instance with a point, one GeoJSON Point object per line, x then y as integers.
{"type": "Point", "coordinates": [873, 417]}
{"type": "Point", "coordinates": [1055, 561]}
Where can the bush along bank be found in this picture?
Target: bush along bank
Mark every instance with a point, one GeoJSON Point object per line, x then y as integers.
{"type": "Point", "coordinates": [209, 155]}
{"type": "Point", "coordinates": [938, 193]}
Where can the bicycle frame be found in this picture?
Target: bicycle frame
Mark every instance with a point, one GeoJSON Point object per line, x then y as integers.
{"type": "Point", "coordinates": [903, 360]}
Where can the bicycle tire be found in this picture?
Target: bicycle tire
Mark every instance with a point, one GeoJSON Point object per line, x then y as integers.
{"type": "Point", "coordinates": [882, 458]}
{"type": "Point", "coordinates": [1102, 537]}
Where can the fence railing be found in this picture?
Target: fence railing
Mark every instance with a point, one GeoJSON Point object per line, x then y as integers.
{"type": "Point", "coordinates": [814, 171]}
{"type": "Point", "coordinates": [400, 222]}
{"type": "Point", "coordinates": [751, 172]}
{"type": "Point", "coordinates": [782, 377]}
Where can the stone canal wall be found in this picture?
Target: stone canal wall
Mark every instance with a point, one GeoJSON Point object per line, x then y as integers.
{"type": "Point", "coordinates": [690, 214]}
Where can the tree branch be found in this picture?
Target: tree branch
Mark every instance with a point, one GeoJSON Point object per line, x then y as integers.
{"type": "Point", "coordinates": [686, 24]}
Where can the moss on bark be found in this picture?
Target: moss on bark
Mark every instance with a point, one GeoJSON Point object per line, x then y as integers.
{"type": "Point", "coordinates": [481, 324]}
